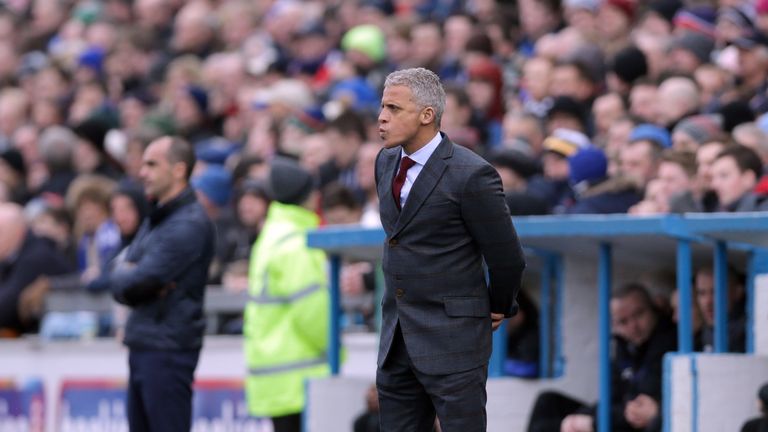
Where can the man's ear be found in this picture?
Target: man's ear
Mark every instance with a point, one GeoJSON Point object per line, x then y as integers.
{"type": "Point", "coordinates": [427, 116]}
{"type": "Point", "coordinates": [179, 170]}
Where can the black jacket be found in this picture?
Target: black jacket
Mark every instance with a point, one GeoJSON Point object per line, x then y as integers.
{"type": "Point", "coordinates": [638, 370]}
{"type": "Point", "coordinates": [163, 277]}
{"type": "Point", "coordinates": [36, 257]}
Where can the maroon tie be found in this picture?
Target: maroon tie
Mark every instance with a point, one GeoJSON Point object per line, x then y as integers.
{"type": "Point", "coordinates": [397, 184]}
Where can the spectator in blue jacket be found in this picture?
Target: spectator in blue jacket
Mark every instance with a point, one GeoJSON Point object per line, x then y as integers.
{"type": "Point", "coordinates": [162, 278]}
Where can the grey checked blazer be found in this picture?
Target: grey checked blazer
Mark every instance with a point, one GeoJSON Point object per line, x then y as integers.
{"type": "Point", "coordinates": [455, 216]}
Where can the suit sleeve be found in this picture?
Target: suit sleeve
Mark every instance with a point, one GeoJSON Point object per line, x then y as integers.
{"type": "Point", "coordinates": [488, 221]}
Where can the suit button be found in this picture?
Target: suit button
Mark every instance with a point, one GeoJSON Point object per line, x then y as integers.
{"type": "Point", "coordinates": [399, 293]}
{"type": "Point", "coordinates": [392, 242]}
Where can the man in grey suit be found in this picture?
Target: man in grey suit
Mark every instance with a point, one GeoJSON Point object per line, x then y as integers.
{"type": "Point", "coordinates": [443, 211]}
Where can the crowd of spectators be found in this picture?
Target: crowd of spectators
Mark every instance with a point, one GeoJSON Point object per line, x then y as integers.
{"type": "Point", "coordinates": [583, 106]}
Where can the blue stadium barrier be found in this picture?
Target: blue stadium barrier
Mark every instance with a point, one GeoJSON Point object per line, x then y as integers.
{"type": "Point", "coordinates": [558, 236]}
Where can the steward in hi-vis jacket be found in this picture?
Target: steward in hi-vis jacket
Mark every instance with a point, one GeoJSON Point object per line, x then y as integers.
{"type": "Point", "coordinates": [286, 319]}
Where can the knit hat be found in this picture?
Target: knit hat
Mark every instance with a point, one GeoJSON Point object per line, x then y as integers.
{"type": "Point", "coordinates": [479, 43]}
{"type": "Point", "coordinates": [384, 6]}
{"type": "Point", "coordinates": [15, 161]}
{"type": "Point", "coordinates": [701, 128]}
{"type": "Point", "coordinates": [751, 38]}
{"type": "Point", "coordinates": [588, 164]}
{"type": "Point", "coordinates": [525, 166]}
{"type": "Point", "coordinates": [311, 28]}
{"type": "Point", "coordinates": [215, 150]}
{"type": "Point", "coordinates": [93, 130]}
{"type": "Point", "coordinates": [215, 183]}
{"type": "Point", "coordinates": [665, 8]}
{"type": "Point", "coordinates": [289, 183]}
{"type": "Point", "coordinates": [591, 58]}
{"type": "Point", "coordinates": [700, 19]}
{"type": "Point", "coordinates": [357, 93]}
{"type": "Point", "coordinates": [625, 6]}
{"type": "Point", "coordinates": [93, 58]}
{"type": "Point", "coordinates": [255, 187]}
{"type": "Point", "coordinates": [366, 38]}
{"type": "Point", "coordinates": [735, 113]}
{"type": "Point", "coordinates": [650, 132]}
{"type": "Point", "coordinates": [629, 64]}
{"type": "Point", "coordinates": [566, 142]}
{"type": "Point", "coordinates": [698, 44]}
{"type": "Point", "coordinates": [742, 16]}
{"type": "Point", "coordinates": [568, 106]}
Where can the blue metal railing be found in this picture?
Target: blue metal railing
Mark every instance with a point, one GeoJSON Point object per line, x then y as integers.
{"type": "Point", "coordinates": [551, 236]}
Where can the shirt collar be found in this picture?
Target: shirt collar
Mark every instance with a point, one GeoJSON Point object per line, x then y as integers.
{"type": "Point", "coordinates": [421, 156]}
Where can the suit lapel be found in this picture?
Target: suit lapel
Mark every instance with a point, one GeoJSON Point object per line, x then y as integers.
{"type": "Point", "coordinates": [387, 209]}
{"type": "Point", "coordinates": [425, 184]}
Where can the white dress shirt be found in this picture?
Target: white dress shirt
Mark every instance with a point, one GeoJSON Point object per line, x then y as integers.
{"type": "Point", "coordinates": [420, 156]}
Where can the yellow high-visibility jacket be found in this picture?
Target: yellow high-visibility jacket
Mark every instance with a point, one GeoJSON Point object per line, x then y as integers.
{"type": "Point", "coordinates": [287, 316]}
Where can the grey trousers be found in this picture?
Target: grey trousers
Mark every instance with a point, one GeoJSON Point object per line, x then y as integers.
{"type": "Point", "coordinates": [409, 399]}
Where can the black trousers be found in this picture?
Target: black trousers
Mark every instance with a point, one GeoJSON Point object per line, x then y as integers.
{"type": "Point", "coordinates": [409, 399]}
{"type": "Point", "coordinates": [160, 390]}
{"type": "Point", "coordinates": [550, 409]}
{"type": "Point", "coordinates": [289, 423]}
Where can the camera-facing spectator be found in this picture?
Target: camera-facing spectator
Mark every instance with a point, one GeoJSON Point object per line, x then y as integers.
{"type": "Point", "coordinates": [704, 283]}
{"type": "Point", "coordinates": [251, 204]}
{"type": "Point", "coordinates": [676, 179]}
{"type": "Point", "coordinates": [554, 185]}
{"type": "Point", "coordinates": [515, 169]}
{"type": "Point", "coordinates": [735, 173]}
{"type": "Point", "coordinates": [642, 336]}
{"type": "Point", "coordinates": [678, 97]}
{"type": "Point", "coordinates": [639, 158]}
{"type": "Point", "coordinates": [23, 258]}
{"type": "Point", "coordinates": [596, 193]}
{"type": "Point", "coordinates": [696, 130]}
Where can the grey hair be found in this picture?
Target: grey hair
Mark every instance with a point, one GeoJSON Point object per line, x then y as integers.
{"type": "Point", "coordinates": [425, 86]}
{"type": "Point", "coordinates": [56, 145]}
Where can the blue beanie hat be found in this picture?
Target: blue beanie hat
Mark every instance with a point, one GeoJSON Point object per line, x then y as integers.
{"type": "Point", "coordinates": [589, 164]}
{"type": "Point", "coordinates": [215, 183]}
{"type": "Point", "coordinates": [652, 133]}
{"type": "Point", "coordinates": [215, 150]}
{"type": "Point", "coordinates": [93, 58]}
{"type": "Point", "coordinates": [358, 93]}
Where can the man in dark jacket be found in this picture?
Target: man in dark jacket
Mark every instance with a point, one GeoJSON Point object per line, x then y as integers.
{"type": "Point", "coordinates": [641, 338]}
{"type": "Point", "coordinates": [596, 192]}
{"type": "Point", "coordinates": [23, 258]}
{"type": "Point", "coordinates": [162, 278]}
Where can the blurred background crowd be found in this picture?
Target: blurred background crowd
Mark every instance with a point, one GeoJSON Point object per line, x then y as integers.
{"type": "Point", "coordinates": [583, 106]}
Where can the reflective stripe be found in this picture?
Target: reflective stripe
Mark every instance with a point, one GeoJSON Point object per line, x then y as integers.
{"type": "Point", "coordinates": [288, 366]}
{"type": "Point", "coordinates": [265, 298]}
